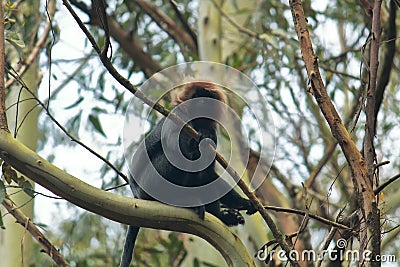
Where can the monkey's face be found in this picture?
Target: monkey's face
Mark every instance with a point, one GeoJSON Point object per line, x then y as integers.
{"type": "Point", "coordinates": [202, 112]}
{"type": "Point", "coordinates": [201, 104]}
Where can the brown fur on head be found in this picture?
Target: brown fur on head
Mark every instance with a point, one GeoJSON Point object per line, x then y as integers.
{"type": "Point", "coordinates": [201, 89]}
{"type": "Point", "coordinates": [205, 89]}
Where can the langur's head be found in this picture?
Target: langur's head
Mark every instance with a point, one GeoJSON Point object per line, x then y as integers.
{"type": "Point", "coordinates": [199, 89]}
{"type": "Point", "coordinates": [202, 90]}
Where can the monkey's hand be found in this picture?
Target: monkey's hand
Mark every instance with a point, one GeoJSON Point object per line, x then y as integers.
{"type": "Point", "coordinates": [231, 217]}
{"type": "Point", "coordinates": [251, 210]}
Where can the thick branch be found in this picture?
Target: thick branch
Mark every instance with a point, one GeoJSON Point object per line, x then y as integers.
{"type": "Point", "coordinates": [365, 193]}
{"type": "Point", "coordinates": [306, 213]}
{"type": "Point", "coordinates": [369, 149]}
{"type": "Point", "coordinates": [338, 129]}
{"type": "Point", "coordinates": [122, 209]}
{"type": "Point", "coordinates": [373, 216]}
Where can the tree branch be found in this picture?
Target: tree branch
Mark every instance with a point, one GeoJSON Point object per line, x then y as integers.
{"type": "Point", "coordinates": [362, 184]}
{"type": "Point", "coordinates": [369, 149]}
{"type": "Point", "coordinates": [40, 44]}
{"type": "Point", "coordinates": [21, 218]}
{"type": "Point", "coordinates": [373, 233]}
{"type": "Point", "coordinates": [242, 185]}
{"type": "Point", "coordinates": [122, 209]}
{"type": "Point", "coordinates": [184, 22]}
{"type": "Point", "coordinates": [306, 213]}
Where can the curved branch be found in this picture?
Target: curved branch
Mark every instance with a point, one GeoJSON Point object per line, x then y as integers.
{"type": "Point", "coordinates": [62, 128]}
{"type": "Point", "coordinates": [122, 209]}
{"type": "Point", "coordinates": [184, 22]}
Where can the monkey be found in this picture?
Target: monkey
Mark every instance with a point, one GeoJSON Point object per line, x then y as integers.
{"type": "Point", "coordinates": [151, 160]}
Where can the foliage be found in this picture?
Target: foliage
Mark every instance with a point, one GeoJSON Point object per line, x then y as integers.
{"type": "Point", "coordinates": [310, 172]}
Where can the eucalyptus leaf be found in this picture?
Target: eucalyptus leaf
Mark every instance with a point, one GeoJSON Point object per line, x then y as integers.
{"type": "Point", "coordinates": [94, 119]}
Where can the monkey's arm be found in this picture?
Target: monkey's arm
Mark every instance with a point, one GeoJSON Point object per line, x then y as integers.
{"type": "Point", "coordinates": [235, 201]}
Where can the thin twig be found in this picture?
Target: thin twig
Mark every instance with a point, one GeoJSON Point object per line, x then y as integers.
{"type": "Point", "coordinates": [342, 73]}
{"type": "Point", "coordinates": [35, 193]}
{"type": "Point", "coordinates": [50, 10]}
{"type": "Point", "coordinates": [63, 129]}
{"type": "Point", "coordinates": [313, 216]}
{"type": "Point", "coordinates": [127, 42]}
{"type": "Point", "coordinates": [363, 187]}
{"type": "Point", "coordinates": [48, 247]}
{"type": "Point", "coordinates": [380, 164]}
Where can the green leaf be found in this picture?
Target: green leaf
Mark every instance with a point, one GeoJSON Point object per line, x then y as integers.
{"type": "Point", "coordinates": [99, 110]}
{"type": "Point", "coordinates": [96, 124]}
{"type": "Point", "coordinates": [9, 173]}
{"type": "Point", "coordinates": [74, 124]}
{"type": "Point", "coordinates": [75, 103]}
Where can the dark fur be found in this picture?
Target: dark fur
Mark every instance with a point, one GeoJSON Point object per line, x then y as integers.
{"type": "Point", "coordinates": [226, 208]}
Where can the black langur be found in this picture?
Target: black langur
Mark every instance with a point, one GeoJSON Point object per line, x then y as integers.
{"type": "Point", "coordinates": [153, 159]}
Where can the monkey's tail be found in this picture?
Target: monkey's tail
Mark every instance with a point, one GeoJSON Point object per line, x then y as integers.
{"type": "Point", "coordinates": [128, 246]}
